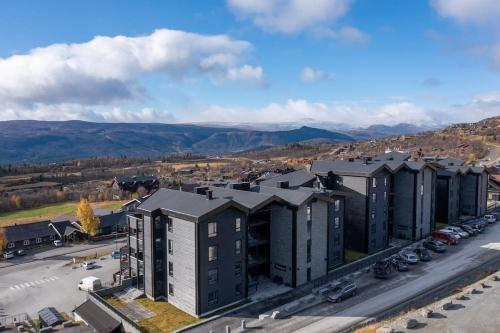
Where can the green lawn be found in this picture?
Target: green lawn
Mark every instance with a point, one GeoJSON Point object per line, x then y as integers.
{"type": "Point", "coordinates": [168, 318]}
{"type": "Point", "coordinates": [49, 212]}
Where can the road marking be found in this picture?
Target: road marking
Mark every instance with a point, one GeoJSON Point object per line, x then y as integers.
{"type": "Point", "coordinates": [29, 284]}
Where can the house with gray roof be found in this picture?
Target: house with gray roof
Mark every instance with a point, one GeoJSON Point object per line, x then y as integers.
{"type": "Point", "coordinates": [411, 199]}
{"type": "Point", "coordinates": [366, 216]}
{"type": "Point", "coordinates": [393, 156]}
{"type": "Point", "coordinates": [299, 178]}
{"type": "Point", "coordinates": [473, 191]}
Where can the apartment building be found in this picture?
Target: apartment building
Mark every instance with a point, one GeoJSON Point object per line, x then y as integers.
{"type": "Point", "coordinates": [367, 183]}
{"type": "Point", "coordinates": [473, 191]}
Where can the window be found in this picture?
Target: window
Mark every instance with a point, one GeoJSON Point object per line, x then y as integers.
{"type": "Point", "coordinates": [422, 189]}
{"type": "Point", "coordinates": [308, 250]}
{"type": "Point", "coordinates": [309, 208]}
{"type": "Point", "coordinates": [237, 246]}
{"type": "Point", "coordinates": [212, 229]}
{"type": "Point", "coordinates": [309, 228]}
{"type": "Point", "coordinates": [171, 289]}
{"type": "Point", "coordinates": [308, 274]}
{"type": "Point", "coordinates": [212, 253]}
{"type": "Point", "coordinates": [385, 181]}
{"type": "Point", "coordinates": [374, 182]}
{"type": "Point", "coordinates": [170, 225]}
{"type": "Point", "coordinates": [158, 265]}
{"type": "Point", "coordinates": [385, 195]}
{"type": "Point", "coordinates": [373, 228]}
{"type": "Point", "coordinates": [373, 215]}
{"type": "Point", "coordinates": [237, 224]}
{"type": "Point", "coordinates": [170, 246]}
{"type": "Point", "coordinates": [337, 205]}
{"type": "Point", "coordinates": [213, 276]}
{"type": "Point", "coordinates": [237, 269]}
{"type": "Point", "coordinates": [374, 197]}
{"type": "Point", "coordinates": [11, 245]}
{"type": "Point", "coordinates": [38, 240]}
{"type": "Point", "coordinates": [336, 223]}
{"type": "Point", "coordinates": [26, 242]}
{"type": "Point", "coordinates": [237, 290]}
{"type": "Point", "coordinates": [170, 268]}
{"type": "Point", "coordinates": [51, 237]}
{"type": "Point", "coordinates": [213, 297]}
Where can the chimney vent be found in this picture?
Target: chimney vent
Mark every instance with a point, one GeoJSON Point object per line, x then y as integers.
{"type": "Point", "coordinates": [209, 194]}
{"type": "Point", "coordinates": [283, 184]}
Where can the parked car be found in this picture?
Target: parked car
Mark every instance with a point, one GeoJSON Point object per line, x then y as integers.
{"type": "Point", "coordinates": [342, 291]}
{"type": "Point", "coordinates": [20, 253]}
{"type": "Point", "coordinates": [457, 230]}
{"type": "Point", "coordinates": [409, 256]}
{"type": "Point", "coordinates": [90, 283]}
{"type": "Point", "coordinates": [58, 243]}
{"type": "Point", "coordinates": [434, 245]}
{"type": "Point", "coordinates": [470, 230]}
{"type": "Point", "coordinates": [8, 255]}
{"type": "Point", "coordinates": [423, 254]}
{"type": "Point", "coordinates": [490, 219]}
{"type": "Point", "coordinates": [399, 263]}
{"type": "Point", "coordinates": [88, 265]}
{"type": "Point", "coordinates": [116, 254]}
{"type": "Point", "coordinates": [476, 225]}
{"type": "Point", "coordinates": [444, 237]}
{"type": "Point", "coordinates": [496, 215]}
{"type": "Point", "coordinates": [451, 233]}
{"type": "Point", "coordinates": [382, 269]}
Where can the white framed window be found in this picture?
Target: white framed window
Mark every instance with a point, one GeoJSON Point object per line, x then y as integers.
{"type": "Point", "coordinates": [170, 246]}
{"type": "Point", "coordinates": [212, 229]}
{"type": "Point", "coordinates": [309, 212]}
{"type": "Point", "coordinates": [26, 242]}
{"type": "Point", "coordinates": [374, 197]}
{"type": "Point", "coordinates": [213, 276]}
{"type": "Point", "coordinates": [385, 181]}
{"type": "Point", "coordinates": [11, 245]}
{"type": "Point", "coordinates": [51, 237]}
{"type": "Point", "coordinates": [38, 240]}
{"type": "Point", "coordinates": [237, 246]}
{"type": "Point", "coordinates": [237, 224]}
{"type": "Point", "coordinates": [374, 182]}
{"type": "Point", "coordinates": [337, 205]}
{"type": "Point", "coordinates": [385, 195]}
{"type": "Point", "coordinates": [422, 189]}
{"type": "Point", "coordinates": [212, 253]}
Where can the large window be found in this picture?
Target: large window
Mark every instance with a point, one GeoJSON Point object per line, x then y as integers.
{"type": "Point", "coordinates": [237, 224]}
{"type": "Point", "coordinates": [170, 225]}
{"type": "Point", "coordinates": [237, 246]}
{"type": "Point", "coordinates": [237, 269]}
{"type": "Point", "coordinates": [212, 229]}
{"type": "Point", "coordinates": [374, 197]}
{"type": "Point", "coordinates": [308, 250]}
{"type": "Point", "coordinates": [337, 205]}
{"type": "Point", "coordinates": [38, 240]}
{"type": "Point", "coordinates": [212, 253]}
{"type": "Point", "coordinates": [26, 242]}
{"type": "Point", "coordinates": [213, 297]}
{"type": "Point", "coordinates": [213, 276]}
{"type": "Point", "coordinates": [309, 212]}
{"type": "Point", "coordinates": [374, 182]}
{"type": "Point", "coordinates": [170, 268]}
{"type": "Point", "coordinates": [170, 246]}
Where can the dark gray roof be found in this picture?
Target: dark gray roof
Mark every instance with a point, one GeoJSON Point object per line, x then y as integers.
{"type": "Point", "coordinates": [450, 161]}
{"type": "Point", "coordinates": [96, 318]}
{"type": "Point", "coordinates": [19, 232]}
{"type": "Point", "coordinates": [248, 199]}
{"type": "Point", "coordinates": [134, 179]}
{"type": "Point", "coordinates": [186, 204]}
{"type": "Point", "coordinates": [50, 316]}
{"type": "Point", "coordinates": [354, 168]}
{"type": "Point", "coordinates": [294, 179]}
{"type": "Point", "coordinates": [393, 156]}
{"type": "Point", "coordinates": [294, 197]}
{"type": "Point", "coordinates": [412, 165]}
{"type": "Point", "coordinates": [119, 219]}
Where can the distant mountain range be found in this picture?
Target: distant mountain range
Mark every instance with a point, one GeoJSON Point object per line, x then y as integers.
{"type": "Point", "coordinates": [49, 141]}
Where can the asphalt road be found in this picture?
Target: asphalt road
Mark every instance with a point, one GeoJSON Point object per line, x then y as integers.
{"type": "Point", "coordinates": [376, 295]}
{"type": "Point", "coordinates": [28, 286]}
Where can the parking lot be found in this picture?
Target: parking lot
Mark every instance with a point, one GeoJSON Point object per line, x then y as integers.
{"type": "Point", "coordinates": [375, 295]}
{"type": "Point", "coordinates": [26, 287]}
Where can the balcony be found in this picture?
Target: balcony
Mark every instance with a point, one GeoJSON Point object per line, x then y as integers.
{"type": "Point", "coordinates": [256, 260]}
{"type": "Point", "coordinates": [256, 239]}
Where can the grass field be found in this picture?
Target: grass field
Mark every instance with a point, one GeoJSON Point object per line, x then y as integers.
{"type": "Point", "coordinates": [49, 212]}
{"type": "Point", "coordinates": [168, 318]}
{"type": "Point", "coordinates": [351, 255]}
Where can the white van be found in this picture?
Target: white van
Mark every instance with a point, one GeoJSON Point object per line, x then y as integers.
{"type": "Point", "coordinates": [90, 283]}
{"type": "Point", "coordinates": [490, 219]}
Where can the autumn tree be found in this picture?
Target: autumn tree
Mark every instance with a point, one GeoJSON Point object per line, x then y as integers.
{"type": "Point", "coordinates": [3, 240]}
{"type": "Point", "coordinates": [88, 221]}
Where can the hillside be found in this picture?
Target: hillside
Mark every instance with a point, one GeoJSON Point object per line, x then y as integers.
{"type": "Point", "coordinates": [39, 141]}
{"type": "Point", "coordinates": [470, 141]}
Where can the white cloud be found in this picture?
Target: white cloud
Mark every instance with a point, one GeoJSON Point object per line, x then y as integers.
{"type": "Point", "coordinates": [303, 111]}
{"type": "Point", "coordinates": [469, 11]}
{"type": "Point", "coordinates": [311, 75]}
{"type": "Point", "coordinates": [346, 35]}
{"type": "Point", "coordinates": [107, 70]}
{"type": "Point", "coordinates": [289, 16]}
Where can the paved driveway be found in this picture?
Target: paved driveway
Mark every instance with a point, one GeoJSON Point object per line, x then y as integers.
{"type": "Point", "coordinates": [30, 286]}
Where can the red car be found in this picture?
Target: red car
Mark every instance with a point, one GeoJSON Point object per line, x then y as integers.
{"type": "Point", "coordinates": [444, 237]}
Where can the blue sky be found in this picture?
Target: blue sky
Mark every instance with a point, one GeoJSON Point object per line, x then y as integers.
{"type": "Point", "coordinates": [358, 62]}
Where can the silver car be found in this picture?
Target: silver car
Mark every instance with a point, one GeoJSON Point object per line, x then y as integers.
{"type": "Point", "coordinates": [342, 291]}
{"type": "Point", "coordinates": [460, 232]}
{"type": "Point", "coordinates": [409, 256]}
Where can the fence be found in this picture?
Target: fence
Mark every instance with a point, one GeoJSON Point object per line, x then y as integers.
{"type": "Point", "coordinates": [11, 320]}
